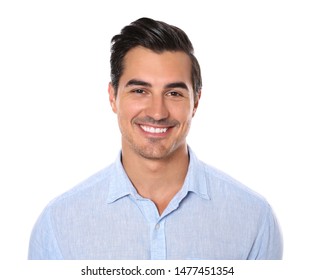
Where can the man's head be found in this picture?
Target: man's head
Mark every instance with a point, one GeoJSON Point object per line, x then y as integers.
{"type": "Point", "coordinates": [155, 88]}
{"type": "Point", "coordinates": [154, 35]}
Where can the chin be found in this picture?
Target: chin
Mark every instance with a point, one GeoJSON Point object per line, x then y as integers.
{"type": "Point", "coordinates": [156, 153]}
{"type": "Point", "coordinates": [153, 155]}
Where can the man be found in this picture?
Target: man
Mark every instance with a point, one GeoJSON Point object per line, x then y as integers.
{"type": "Point", "coordinates": [157, 201]}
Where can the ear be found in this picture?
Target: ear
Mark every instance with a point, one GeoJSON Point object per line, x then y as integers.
{"type": "Point", "coordinates": [196, 102]}
{"type": "Point", "coordinates": [112, 97]}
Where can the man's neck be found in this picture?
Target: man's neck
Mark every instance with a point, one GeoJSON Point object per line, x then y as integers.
{"type": "Point", "coordinates": [157, 180]}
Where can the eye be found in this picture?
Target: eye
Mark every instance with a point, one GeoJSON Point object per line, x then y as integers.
{"type": "Point", "coordinates": [138, 91]}
{"type": "Point", "coordinates": [173, 94]}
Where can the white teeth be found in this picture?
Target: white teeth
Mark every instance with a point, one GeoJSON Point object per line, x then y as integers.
{"type": "Point", "coordinates": [153, 129]}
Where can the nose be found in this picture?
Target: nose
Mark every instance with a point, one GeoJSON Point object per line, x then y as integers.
{"type": "Point", "coordinates": [157, 108]}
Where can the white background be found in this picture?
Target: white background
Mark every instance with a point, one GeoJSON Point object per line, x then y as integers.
{"type": "Point", "coordinates": [255, 119]}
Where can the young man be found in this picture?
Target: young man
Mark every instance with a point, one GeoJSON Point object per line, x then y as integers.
{"type": "Point", "coordinates": [157, 201]}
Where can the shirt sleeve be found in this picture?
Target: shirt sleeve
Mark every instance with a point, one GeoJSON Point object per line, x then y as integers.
{"type": "Point", "coordinates": [269, 242]}
{"type": "Point", "coordinates": [43, 244]}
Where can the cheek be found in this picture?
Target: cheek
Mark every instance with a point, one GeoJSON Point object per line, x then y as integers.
{"type": "Point", "coordinates": [183, 113]}
{"type": "Point", "coordinates": [126, 111]}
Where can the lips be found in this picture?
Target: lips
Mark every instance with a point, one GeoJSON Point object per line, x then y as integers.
{"type": "Point", "coordinates": [156, 130]}
{"type": "Point", "coordinates": [159, 128]}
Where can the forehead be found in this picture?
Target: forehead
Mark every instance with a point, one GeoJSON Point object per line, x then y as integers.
{"type": "Point", "coordinates": [167, 66]}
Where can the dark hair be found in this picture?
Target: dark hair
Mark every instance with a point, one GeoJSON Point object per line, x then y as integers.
{"type": "Point", "coordinates": [157, 36]}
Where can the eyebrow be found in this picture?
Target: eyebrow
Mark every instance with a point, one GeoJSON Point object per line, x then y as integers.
{"type": "Point", "coordinates": [135, 82]}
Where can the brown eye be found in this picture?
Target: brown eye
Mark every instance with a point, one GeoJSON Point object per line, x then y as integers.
{"type": "Point", "coordinates": [139, 91]}
{"type": "Point", "coordinates": [173, 94]}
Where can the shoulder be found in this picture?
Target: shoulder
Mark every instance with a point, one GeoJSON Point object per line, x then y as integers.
{"type": "Point", "coordinates": [66, 211]}
{"type": "Point", "coordinates": [93, 188]}
{"type": "Point", "coordinates": [219, 185]}
{"type": "Point", "coordinates": [226, 190]}
{"type": "Point", "coordinates": [237, 203]}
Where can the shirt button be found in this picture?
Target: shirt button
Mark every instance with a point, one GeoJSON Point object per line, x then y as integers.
{"type": "Point", "coordinates": [157, 226]}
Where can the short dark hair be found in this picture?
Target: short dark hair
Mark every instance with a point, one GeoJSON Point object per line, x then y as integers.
{"type": "Point", "coordinates": [157, 36]}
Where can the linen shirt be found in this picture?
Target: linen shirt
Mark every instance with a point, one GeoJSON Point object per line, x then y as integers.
{"type": "Point", "coordinates": [212, 217]}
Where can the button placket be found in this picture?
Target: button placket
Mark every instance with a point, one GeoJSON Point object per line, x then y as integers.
{"type": "Point", "coordinates": [158, 241]}
{"type": "Point", "coordinates": [157, 232]}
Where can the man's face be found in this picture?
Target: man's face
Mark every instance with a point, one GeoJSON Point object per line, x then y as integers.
{"type": "Point", "coordinates": [154, 102]}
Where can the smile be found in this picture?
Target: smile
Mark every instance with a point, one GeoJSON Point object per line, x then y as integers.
{"type": "Point", "coordinates": [151, 129]}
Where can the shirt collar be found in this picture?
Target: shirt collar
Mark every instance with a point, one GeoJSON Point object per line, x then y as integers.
{"type": "Point", "coordinates": [195, 181]}
{"type": "Point", "coordinates": [119, 184]}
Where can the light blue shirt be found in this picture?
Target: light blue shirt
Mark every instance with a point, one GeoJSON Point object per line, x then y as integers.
{"type": "Point", "coordinates": [211, 217]}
